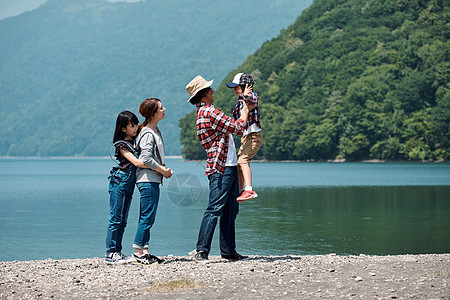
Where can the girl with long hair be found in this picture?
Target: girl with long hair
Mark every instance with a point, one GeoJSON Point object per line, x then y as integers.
{"type": "Point", "coordinates": [121, 185]}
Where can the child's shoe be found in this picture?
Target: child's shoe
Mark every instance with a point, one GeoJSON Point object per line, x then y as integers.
{"type": "Point", "coordinates": [118, 258]}
{"type": "Point", "coordinates": [247, 195]}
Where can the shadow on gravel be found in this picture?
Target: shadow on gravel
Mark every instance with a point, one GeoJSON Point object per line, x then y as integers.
{"type": "Point", "coordinates": [218, 260]}
{"type": "Point", "coordinates": [274, 258]}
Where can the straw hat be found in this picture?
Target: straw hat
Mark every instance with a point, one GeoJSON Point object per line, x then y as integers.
{"type": "Point", "coordinates": [197, 84]}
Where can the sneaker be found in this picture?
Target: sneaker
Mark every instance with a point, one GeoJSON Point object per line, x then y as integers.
{"type": "Point", "coordinates": [116, 258]}
{"type": "Point", "coordinates": [201, 256]}
{"type": "Point", "coordinates": [124, 257]}
{"type": "Point", "coordinates": [247, 195]}
{"type": "Point", "coordinates": [235, 256]}
{"type": "Point", "coordinates": [159, 260]}
{"type": "Point", "coordinates": [146, 259]}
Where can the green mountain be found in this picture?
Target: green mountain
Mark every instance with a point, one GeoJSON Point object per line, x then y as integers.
{"type": "Point", "coordinates": [351, 80]}
{"type": "Point", "coordinates": [69, 67]}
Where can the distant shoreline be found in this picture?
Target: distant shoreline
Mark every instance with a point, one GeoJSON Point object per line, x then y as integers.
{"type": "Point", "coordinates": [255, 160]}
{"type": "Point", "coordinates": [72, 157]}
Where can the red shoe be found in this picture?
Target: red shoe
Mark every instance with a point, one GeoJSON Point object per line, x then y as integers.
{"type": "Point", "coordinates": [247, 195]}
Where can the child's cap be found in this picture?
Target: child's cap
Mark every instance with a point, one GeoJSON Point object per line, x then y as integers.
{"type": "Point", "coordinates": [241, 79]}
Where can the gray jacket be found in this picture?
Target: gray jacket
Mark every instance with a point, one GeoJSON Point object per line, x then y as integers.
{"type": "Point", "coordinates": [150, 145]}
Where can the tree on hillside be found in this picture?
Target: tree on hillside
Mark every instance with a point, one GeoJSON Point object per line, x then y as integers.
{"type": "Point", "coordinates": [355, 80]}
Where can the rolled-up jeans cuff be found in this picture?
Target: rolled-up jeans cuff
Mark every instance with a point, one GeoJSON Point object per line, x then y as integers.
{"type": "Point", "coordinates": [135, 246]}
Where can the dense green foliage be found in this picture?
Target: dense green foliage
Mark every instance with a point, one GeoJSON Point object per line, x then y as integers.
{"type": "Point", "coordinates": [352, 80]}
{"type": "Point", "coordinates": [69, 67]}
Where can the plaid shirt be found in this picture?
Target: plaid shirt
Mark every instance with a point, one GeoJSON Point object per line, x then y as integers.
{"type": "Point", "coordinates": [253, 115]}
{"type": "Point", "coordinates": [213, 129]}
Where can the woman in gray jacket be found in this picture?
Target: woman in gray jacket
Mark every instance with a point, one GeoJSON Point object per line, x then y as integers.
{"type": "Point", "coordinates": [150, 144]}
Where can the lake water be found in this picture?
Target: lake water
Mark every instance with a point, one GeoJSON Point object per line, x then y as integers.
{"type": "Point", "coordinates": [58, 208]}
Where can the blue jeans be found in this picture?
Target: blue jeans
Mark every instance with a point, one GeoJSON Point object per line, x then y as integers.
{"type": "Point", "coordinates": [121, 188]}
{"type": "Point", "coordinates": [223, 192]}
{"type": "Point", "coordinates": [147, 212]}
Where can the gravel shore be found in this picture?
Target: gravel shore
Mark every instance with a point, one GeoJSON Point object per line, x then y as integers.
{"type": "Point", "coordinates": [258, 277]}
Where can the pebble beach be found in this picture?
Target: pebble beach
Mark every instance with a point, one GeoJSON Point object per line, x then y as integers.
{"type": "Point", "coordinates": [258, 277]}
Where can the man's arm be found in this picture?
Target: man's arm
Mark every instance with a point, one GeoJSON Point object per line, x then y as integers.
{"type": "Point", "coordinates": [225, 124]}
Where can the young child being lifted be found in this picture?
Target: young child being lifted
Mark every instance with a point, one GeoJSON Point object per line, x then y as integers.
{"type": "Point", "coordinates": [252, 138]}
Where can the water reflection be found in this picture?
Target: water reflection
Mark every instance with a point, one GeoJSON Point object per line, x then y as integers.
{"type": "Point", "coordinates": [346, 220]}
{"type": "Point", "coordinates": [55, 204]}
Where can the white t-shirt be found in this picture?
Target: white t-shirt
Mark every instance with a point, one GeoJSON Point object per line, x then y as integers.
{"type": "Point", "coordinates": [231, 154]}
{"type": "Point", "coordinates": [252, 128]}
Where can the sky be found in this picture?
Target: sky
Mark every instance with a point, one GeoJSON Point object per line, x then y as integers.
{"type": "Point", "coordinates": [9, 8]}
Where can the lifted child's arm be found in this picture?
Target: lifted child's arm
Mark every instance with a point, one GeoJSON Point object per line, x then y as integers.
{"type": "Point", "coordinates": [250, 98]}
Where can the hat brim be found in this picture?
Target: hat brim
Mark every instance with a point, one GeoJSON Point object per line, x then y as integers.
{"type": "Point", "coordinates": [232, 85]}
{"type": "Point", "coordinates": [207, 85]}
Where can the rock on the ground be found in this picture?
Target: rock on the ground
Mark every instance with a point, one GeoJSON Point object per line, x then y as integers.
{"type": "Point", "coordinates": [259, 277]}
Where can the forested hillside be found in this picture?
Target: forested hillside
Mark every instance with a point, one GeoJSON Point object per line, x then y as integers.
{"type": "Point", "coordinates": [351, 80]}
{"type": "Point", "coordinates": [69, 67]}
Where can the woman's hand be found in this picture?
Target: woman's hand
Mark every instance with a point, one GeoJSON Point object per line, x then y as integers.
{"type": "Point", "coordinates": [166, 172]}
{"type": "Point", "coordinates": [169, 173]}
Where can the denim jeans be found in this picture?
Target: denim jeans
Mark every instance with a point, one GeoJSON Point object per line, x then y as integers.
{"type": "Point", "coordinates": [121, 187]}
{"type": "Point", "coordinates": [147, 212]}
{"type": "Point", "coordinates": [223, 192]}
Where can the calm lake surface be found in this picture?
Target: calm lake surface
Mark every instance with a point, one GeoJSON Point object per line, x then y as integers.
{"type": "Point", "coordinates": [58, 208]}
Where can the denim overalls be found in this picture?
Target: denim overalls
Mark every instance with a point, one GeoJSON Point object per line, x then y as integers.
{"type": "Point", "coordinates": [121, 187]}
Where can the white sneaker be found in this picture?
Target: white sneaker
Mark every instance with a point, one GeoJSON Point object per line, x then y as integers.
{"type": "Point", "coordinates": [116, 258]}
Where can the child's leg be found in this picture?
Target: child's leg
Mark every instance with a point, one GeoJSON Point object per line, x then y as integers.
{"type": "Point", "coordinates": [249, 146]}
{"type": "Point", "coordinates": [117, 195]}
{"type": "Point", "coordinates": [246, 176]}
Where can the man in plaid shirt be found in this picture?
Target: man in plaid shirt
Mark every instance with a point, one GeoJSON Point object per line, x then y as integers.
{"type": "Point", "coordinates": [215, 130]}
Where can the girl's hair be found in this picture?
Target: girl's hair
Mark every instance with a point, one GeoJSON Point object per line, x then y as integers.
{"type": "Point", "coordinates": [123, 119]}
{"type": "Point", "coordinates": [200, 94]}
{"type": "Point", "coordinates": [148, 109]}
